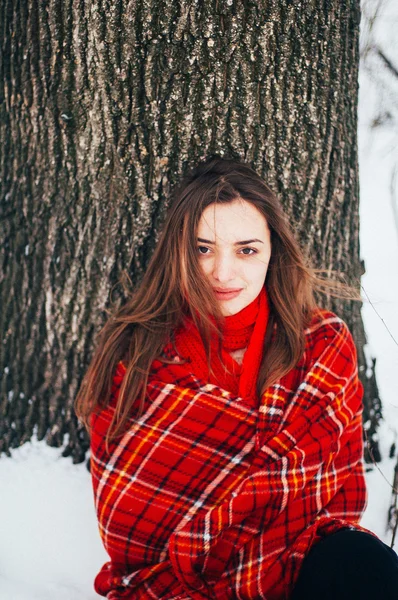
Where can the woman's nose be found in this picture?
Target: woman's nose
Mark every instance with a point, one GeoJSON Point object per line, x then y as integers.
{"type": "Point", "coordinates": [223, 268]}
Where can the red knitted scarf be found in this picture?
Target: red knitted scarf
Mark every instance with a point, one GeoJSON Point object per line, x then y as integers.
{"type": "Point", "coordinates": [246, 329]}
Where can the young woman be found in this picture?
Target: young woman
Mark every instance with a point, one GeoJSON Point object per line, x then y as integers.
{"type": "Point", "coordinates": [225, 411]}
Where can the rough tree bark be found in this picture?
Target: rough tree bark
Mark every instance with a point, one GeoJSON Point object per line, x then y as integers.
{"type": "Point", "coordinates": [103, 104]}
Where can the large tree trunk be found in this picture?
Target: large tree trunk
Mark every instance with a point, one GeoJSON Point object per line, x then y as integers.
{"type": "Point", "coordinates": [103, 104]}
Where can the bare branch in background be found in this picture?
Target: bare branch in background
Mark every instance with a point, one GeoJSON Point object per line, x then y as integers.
{"type": "Point", "coordinates": [387, 62]}
{"type": "Point", "coordinates": [370, 13]}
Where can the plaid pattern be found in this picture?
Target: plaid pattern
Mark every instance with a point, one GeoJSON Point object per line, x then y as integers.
{"type": "Point", "coordinates": [207, 497]}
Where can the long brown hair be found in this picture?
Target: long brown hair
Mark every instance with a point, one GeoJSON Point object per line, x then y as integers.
{"type": "Point", "coordinates": [137, 332]}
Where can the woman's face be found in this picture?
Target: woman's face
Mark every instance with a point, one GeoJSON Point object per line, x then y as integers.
{"type": "Point", "coordinates": [234, 247]}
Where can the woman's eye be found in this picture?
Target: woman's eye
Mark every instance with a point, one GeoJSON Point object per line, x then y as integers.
{"type": "Point", "coordinates": [202, 249]}
{"type": "Point", "coordinates": [249, 251]}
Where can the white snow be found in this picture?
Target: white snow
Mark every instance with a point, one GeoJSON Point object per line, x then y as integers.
{"type": "Point", "coordinates": [49, 542]}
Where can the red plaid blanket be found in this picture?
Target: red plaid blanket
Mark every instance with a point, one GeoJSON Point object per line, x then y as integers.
{"type": "Point", "coordinates": [207, 497]}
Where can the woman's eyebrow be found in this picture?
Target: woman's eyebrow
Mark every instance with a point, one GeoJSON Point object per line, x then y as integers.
{"type": "Point", "coordinates": [242, 243]}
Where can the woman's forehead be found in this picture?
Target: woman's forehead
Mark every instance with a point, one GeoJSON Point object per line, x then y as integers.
{"type": "Point", "coordinates": [236, 220]}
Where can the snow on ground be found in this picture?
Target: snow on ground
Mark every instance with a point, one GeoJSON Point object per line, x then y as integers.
{"type": "Point", "coordinates": [49, 541]}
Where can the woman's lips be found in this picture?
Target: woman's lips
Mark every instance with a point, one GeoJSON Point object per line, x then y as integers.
{"type": "Point", "coordinates": [226, 294]}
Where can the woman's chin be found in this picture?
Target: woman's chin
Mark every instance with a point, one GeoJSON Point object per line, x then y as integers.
{"type": "Point", "coordinates": [231, 307]}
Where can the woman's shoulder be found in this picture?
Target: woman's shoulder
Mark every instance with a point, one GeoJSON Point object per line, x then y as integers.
{"type": "Point", "coordinates": [323, 320]}
{"type": "Point", "coordinates": [326, 329]}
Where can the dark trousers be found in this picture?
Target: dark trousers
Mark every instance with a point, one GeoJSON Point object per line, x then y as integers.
{"type": "Point", "coordinates": [348, 565]}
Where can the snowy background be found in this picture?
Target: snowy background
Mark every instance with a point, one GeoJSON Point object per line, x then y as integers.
{"type": "Point", "coordinates": [378, 162]}
{"type": "Point", "coordinates": [49, 542]}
